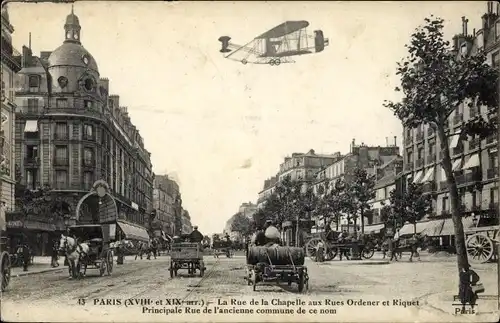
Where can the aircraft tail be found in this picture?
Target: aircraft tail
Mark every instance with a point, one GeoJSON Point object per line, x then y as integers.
{"type": "Point", "coordinates": [225, 44]}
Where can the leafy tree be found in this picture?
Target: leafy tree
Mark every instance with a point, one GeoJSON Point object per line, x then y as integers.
{"type": "Point", "coordinates": [360, 192]}
{"type": "Point", "coordinates": [333, 202]}
{"type": "Point", "coordinates": [435, 79]}
{"type": "Point", "coordinates": [43, 203]}
{"type": "Point", "coordinates": [241, 224]}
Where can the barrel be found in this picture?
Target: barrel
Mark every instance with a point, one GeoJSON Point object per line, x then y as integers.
{"type": "Point", "coordinates": [278, 255]}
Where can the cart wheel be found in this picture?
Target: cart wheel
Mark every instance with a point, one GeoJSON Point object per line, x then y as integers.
{"type": "Point", "coordinates": [367, 253]}
{"type": "Point", "coordinates": [5, 270]}
{"type": "Point", "coordinates": [311, 247]}
{"type": "Point", "coordinates": [479, 248]}
{"type": "Point", "coordinates": [331, 254]}
{"type": "Point", "coordinates": [109, 262]}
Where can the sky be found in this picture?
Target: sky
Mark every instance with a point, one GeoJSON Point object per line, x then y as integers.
{"type": "Point", "coordinates": [220, 127]}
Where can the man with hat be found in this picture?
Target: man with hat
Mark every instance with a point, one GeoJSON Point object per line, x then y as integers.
{"type": "Point", "coordinates": [196, 235]}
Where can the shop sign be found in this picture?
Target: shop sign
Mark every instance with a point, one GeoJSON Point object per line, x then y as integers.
{"type": "Point", "coordinates": [14, 224]}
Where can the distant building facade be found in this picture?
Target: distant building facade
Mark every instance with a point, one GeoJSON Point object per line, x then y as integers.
{"type": "Point", "coordinates": [187, 227]}
{"type": "Point", "coordinates": [166, 190]}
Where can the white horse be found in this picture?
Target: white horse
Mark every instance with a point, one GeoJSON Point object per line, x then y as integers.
{"type": "Point", "coordinates": [74, 253]}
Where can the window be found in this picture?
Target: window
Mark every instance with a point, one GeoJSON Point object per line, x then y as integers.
{"type": "Point", "coordinates": [88, 104]}
{"type": "Point", "coordinates": [61, 103]}
{"type": "Point", "coordinates": [88, 180]}
{"type": "Point", "coordinates": [61, 179]}
{"type": "Point", "coordinates": [61, 130]}
{"type": "Point", "coordinates": [494, 195]}
{"type": "Point", "coordinates": [463, 49]}
{"type": "Point", "coordinates": [88, 132]}
{"type": "Point", "coordinates": [61, 156]}
{"type": "Point", "coordinates": [432, 148]}
{"type": "Point", "coordinates": [479, 39]}
{"type": "Point", "coordinates": [31, 179]}
{"type": "Point", "coordinates": [31, 152]}
{"type": "Point", "coordinates": [497, 30]}
{"type": "Point", "coordinates": [410, 157]}
{"type": "Point", "coordinates": [89, 84]}
{"type": "Point", "coordinates": [493, 158]}
{"type": "Point", "coordinates": [34, 83]}
{"type": "Point", "coordinates": [420, 153]}
{"type": "Point", "coordinates": [88, 156]}
{"type": "Point", "coordinates": [445, 203]}
{"type": "Point", "coordinates": [32, 105]}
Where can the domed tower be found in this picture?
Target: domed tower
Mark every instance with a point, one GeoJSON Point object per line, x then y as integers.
{"type": "Point", "coordinates": [74, 70]}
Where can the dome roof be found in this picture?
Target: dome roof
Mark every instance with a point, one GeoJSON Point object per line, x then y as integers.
{"type": "Point", "coordinates": [72, 54]}
{"type": "Point", "coordinates": [72, 19]}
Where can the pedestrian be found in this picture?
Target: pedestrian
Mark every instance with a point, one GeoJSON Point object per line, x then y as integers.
{"type": "Point", "coordinates": [393, 244]}
{"type": "Point", "coordinates": [26, 256]}
{"type": "Point", "coordinates": [320, 252]}
{"type": "Point", "coordinates": [468, 287]}
{"type": "Point", "coordinates": [54, 261]}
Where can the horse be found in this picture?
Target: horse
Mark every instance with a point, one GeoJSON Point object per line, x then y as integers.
{"type": "Point", "coordinates": [74, 252]}
{"type": "Point", "coordinates": [411, 245]}
{"type": "Point", "coordinates": [143, 248]}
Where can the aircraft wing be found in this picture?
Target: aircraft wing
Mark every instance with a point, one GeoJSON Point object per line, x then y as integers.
{"type": "Point", "coordinates": [284, 29]}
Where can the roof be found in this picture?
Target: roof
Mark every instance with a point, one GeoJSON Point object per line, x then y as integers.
{"type": "Point", "coordinates": [285, 28]}
{"type": "Point", "coordinates": [385, 181]}
{"type": "Point", "coordinates": [71, 54]}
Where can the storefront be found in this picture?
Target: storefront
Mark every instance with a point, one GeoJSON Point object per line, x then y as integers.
{"type": "Point", "coordinates": [129, 231]}
{"type": "Point", "coordinates": [38, 235]}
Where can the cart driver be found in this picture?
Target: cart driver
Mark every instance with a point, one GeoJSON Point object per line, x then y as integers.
{"type": "Point", "coordinates": [272, 234]}
{"type": "Point", "coordinates": [196, 235]}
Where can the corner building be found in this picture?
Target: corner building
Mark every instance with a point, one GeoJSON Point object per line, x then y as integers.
{"type": "Point", "coordinates": [71, 133]}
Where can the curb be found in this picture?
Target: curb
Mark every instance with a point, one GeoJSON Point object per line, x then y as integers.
{"type": "Point", "coordinates": [29, 273]}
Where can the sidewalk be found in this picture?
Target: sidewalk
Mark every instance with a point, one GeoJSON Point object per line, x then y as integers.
{"type": "Point", "coordinates": [40, 265]}
{"type": "Point", "coordinates": [486, 308]}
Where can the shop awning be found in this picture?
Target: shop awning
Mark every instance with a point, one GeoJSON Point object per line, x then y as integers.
{"type": "Point", "coordinates": [449, 230]}
{"type": "Point", "coordinates": [133, 232]}
{"type": "Point", "coordinates": [417, 177]}
{"type": "Point", "coordinates": [429, 175]}
{"type": "Point", "coordinates": [456, 165]}
{"type": "Point", "coordinates": [375, 228]}
{"type": "Point", "coordinates": [408, 229]}
{"type": "Point", "coordinates": [31, 126]}
{"type": "Point", "coordinates": [433, 228]}
{"type": "Point", "coordinates": [473, 161]}
{"type": "Point", "coordinates": [454, 141]}
{"type": "Point", "coordinates": [41, 226]}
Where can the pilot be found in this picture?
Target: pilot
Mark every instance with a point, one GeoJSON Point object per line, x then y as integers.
{"type": "Point", "coordinates": [196, 235]}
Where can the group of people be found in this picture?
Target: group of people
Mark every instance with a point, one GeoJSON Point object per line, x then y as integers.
{"type": "Point", "coordinates": [268, 236]}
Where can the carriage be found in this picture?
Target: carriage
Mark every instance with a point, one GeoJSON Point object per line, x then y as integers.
{"type": "Point", "coordinates": [100, 254]}
{"type": "Point", "coordinates": [481, 243]}
{"type": "Point", "coordinates": [4, 263]}
{"type": "Point", "coordinates": [332, 247]}
{"type": "Point", "coordinates": [221, 246]}
{"type": "Point", "coordinates": [186, 255]}
{"type": "Point", "coordinates": [276, 264]}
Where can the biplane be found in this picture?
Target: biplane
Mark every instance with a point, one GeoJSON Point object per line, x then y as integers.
{"type": "Point", "coordinates": [277, 45]}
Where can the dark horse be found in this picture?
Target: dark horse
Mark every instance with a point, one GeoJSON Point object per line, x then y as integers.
{"type": "Point", "coordinates": [396, 247]}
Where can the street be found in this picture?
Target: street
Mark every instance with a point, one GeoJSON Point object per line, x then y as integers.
{"type": "Point", "coordinates": [425, 287]}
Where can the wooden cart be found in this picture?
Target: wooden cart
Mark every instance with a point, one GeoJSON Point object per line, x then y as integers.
{"type": "Point", "coordinates": [186, 255]}
{"type": "Point", "coordinates": [481, 243]}
{"type": "Point", "coordinates": [332, 248]}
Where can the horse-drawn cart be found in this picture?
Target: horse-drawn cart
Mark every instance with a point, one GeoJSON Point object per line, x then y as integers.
{"type": "Point", "coordinates": [4, 263]}
{"type": "Point", "coordinates": [220, 247]}
{"type": "Point", "coordinates": [480, 243]}
{"type": "Point", "coordinates": [186, 255]}
{"type": "Point", "coordinates": [333, 247]}
{"type": "Point", "coordinates": [276, 264]}
{"type": "Point", "coordinates": [92, 246]}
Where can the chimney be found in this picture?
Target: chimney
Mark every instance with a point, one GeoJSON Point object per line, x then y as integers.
{"type": "Point", "coordinates": [395, 141]}
{"type": "Point", "coordinates": [455, 43]}
{"type": "Point", "coordinates": [387, 141]}
{"type": "Point", "coordinates": [29, 41]}
{"type": "Point", "coordinates": [464, 25]}
{"type": "Point", "coordinates": [26, 58]}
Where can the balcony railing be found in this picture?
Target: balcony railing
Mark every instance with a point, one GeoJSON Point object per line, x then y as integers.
{"type": "Point", "coordinates": [31, 161]}
{"type": "Point", "coordinates": [457, 119]}
{"type": "Point", "coordinates": [468, 178]}
{"type": "Point", "coordinates": [60, 161]}
{"type": "Point", "coordinates": [429, 187]}
{"type": "Point", "coordinates": [61, 135]}
{"type": "Point", "coordinates": [419, 163]}
{"type": "Point", "coordinates": [474, 143]}
{"type": "Point", "coordinates": [420, 136]}
{"type": "Point", "coordinates": [492, 173]}
{"type": "Point", "coordinates": [60, 185]}
{"type": "Point", "coordinates": [431, 159]}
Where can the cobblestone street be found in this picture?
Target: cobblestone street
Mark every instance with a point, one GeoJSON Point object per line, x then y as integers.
{"type": "Point", "coordinates": [422, 281]}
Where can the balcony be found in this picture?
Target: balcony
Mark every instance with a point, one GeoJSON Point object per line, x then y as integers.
{"type": "Point", "coordinates": [60, 185]}
{"type": "Point", "coordinates": [420, 136]}
{"type": "Point", "coordinates": [474, 143]}
{"type": "Point", "coordinates": [31, 162]}
{"type": "Point", "coordinates": [431, 159]}
{"type": "Point", "coordinates": [408, 166]}
{"type": "Point", "coordinates": [468, 178]}
{"type": "Point", "coordinates": [457, 119]}
{"type": "Point", "coordinates": [429, 187]}
{"type": "Point", "coordinates": [60, 161]}
{"type": "Point", "coordinates": [419, 163]}
{"type": "Point", "coordinates": [61, 135]}
{"type": "Point", "coordinates": [492, 173]}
